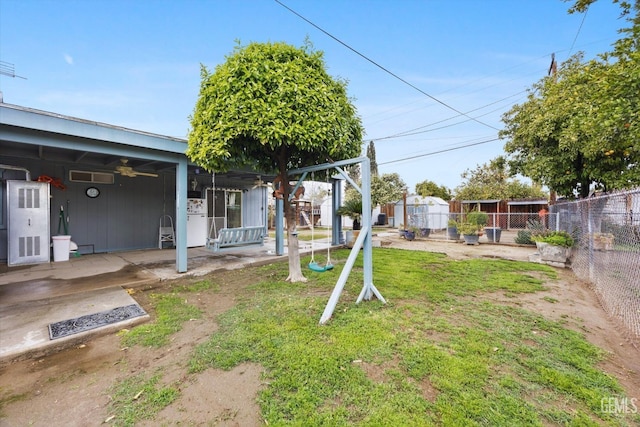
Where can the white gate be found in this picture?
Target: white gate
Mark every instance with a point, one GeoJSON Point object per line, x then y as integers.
{"type": "Point", "coordinates": [27, 222]}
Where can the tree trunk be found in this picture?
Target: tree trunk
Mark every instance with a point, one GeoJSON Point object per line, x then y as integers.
{"type": "Point", "coordinates": [295, 270]}
{"type": "Point", "coordinates": [585, 181]}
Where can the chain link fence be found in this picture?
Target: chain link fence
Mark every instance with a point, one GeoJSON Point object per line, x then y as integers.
{"type": "Point", "coordinates": [421, 218]}
{"type": "Point", "coordinates": [607, 251]}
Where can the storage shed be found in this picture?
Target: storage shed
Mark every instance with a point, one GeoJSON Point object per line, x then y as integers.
{"type": "Point", "coordinates": [423, 212]}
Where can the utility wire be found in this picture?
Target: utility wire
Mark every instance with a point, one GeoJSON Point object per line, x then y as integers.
{"type": "Point", "coordinates": [409, 133]}
{"type": "Point", "coordinates": [417, 130]}
{"type": "Point", "coordinates": [383, 68]}
{"type": "Point", "coordinates": [578, 33]}
{"type": "Point", "coordinates": [8, 69]}
{"type": "Point", "coordinates": [438, 152]}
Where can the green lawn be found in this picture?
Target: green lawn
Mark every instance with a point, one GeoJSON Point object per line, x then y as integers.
{"type": "Point", "coordinates": [442, 351]}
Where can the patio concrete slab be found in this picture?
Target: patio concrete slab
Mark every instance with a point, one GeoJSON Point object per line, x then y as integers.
{"type": "Point", "coordinates": [25, 325]}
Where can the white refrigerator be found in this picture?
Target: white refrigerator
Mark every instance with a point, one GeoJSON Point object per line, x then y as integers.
{"type": "Point", "coordinates": [196, 222]}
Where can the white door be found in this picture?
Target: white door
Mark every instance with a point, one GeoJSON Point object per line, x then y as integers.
{"type": "Point", "coordinates": [28, 222]}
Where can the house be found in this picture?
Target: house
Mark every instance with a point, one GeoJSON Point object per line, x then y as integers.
{"type": "Point", "coordinates": [109, 186]}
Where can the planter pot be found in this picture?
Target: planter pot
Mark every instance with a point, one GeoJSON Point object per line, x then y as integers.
{"type": "Point", "coordinates": [453, 233]}
{"type": "Point", "coordinates": [351, 237]}
{"type": "Point", "coordinates": [493, 234]}
{"type": "Point", "coordinates": [410, 235]}
{"type": "Point", "coordinates": [553, 253]}
{"type": "Point", "coordinates": [471, 239]}
{"type": "Point", "coordinates": [424, 232]}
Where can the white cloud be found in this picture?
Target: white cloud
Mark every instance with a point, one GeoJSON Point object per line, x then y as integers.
{"type": "Point", "coordinates": [68, 59]}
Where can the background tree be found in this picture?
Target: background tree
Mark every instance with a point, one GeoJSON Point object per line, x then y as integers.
{"type": "Point", "coordinates": [493, 181]}
{"type": "Point", "coordinates": [273, 107]}
{"type": "Point", "coordinates": [371, 154]}
{"type": "Point", "coordinates": [316, 194]}
{"type": "Point", "coordinates": [429, 188]}
{"type": "Point", "coordinates": [386, 188]}
{"type": "Point", "coordinates": [580, 128]}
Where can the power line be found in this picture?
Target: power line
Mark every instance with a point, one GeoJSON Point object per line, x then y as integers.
{"type": "Point", "coordinates": [383, 68]}
{"type": "Point", "coordinates": [438, 152]}
{"type": "Point", "coordinates": [8, 69]}
{"type": "Point", "coordinates": [579, 29]}
{"type": "Point", "coordinates": [416, 131]}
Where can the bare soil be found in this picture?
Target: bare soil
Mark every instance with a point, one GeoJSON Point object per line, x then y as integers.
{"type": "Point", "coordinates": [72, 387]}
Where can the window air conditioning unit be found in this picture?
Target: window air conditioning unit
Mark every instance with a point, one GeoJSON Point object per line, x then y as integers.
{"type": "Point", "coordinates": [93, 177]}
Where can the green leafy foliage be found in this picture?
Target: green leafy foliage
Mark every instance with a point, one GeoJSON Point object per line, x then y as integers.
{"type": "Point", "coordinates": [430, 188]}
{"type": "Point", "coordinates": [523, 237]}
{"type": "Point", "coordinates": [477, 218]}
{"type": "Point", "coordinates": [557, 238]}
{"type": "Point", "coordinates": [580, 127]}
{"type": "Point", "coordinates": [351, 208]}
{"type": "Point", "coordinates": [387, 188]}
{"type": "Point", "coordinates": [493, 181]}
{"type": "Point", "coordinates": [273, 107]}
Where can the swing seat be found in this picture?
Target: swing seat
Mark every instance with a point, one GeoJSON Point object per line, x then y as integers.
{"type": "Point", "coordinates": [314, 266]}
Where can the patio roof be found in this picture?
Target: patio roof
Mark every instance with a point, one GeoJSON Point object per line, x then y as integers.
{"type": "Point", "coordinates": [527, 202]}
{"type": "Point", "coordinates": [41, 135]}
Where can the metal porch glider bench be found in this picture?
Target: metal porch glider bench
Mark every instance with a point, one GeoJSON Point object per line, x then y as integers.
{"type": "Point", "coordinates": [234, 238]}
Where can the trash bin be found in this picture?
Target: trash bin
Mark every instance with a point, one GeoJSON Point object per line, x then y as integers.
{"type": "Point", "coordinates": [382, 219]}
{"type": "Point", "coordinates": [61, 245]}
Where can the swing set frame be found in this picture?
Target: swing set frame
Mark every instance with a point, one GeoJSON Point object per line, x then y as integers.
{"type": "Point", "coordinates": [364, 238]}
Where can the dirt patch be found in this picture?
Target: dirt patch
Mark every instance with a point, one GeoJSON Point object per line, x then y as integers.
{"type": "Point", "coordinates": [73, 387]}
{"type": "Point", "coordinates": [216, 397]}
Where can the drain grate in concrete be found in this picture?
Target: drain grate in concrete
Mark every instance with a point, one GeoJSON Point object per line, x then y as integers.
{"type": "Point", "coordinates": [93, 321]}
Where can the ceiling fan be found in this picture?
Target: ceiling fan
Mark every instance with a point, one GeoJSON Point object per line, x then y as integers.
{"type": "Point", "coordinates": [128, 171]}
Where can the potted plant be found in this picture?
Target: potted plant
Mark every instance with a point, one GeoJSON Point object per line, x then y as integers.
{"type": "Point", "coordinates": [470, 233]}
{"type": "Point", "coordinates": [452, 229]}
{"type": "Point", "coordinates": [411, 233]}
{"type": "Point", "coordinates": [554, 246]}
{"type": "Point", "coordinates": [353, 209]}
{"type": "Point", "coordinates": [477, 218]}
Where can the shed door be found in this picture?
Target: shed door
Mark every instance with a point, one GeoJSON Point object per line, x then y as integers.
{"type": "Point", "coordinates": [27, 222]}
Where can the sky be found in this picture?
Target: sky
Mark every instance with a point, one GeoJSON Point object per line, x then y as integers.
{"type": "Point", "coordinates": [412, 66]}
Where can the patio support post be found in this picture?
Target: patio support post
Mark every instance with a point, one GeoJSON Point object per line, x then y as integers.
{"type": "Point", "coordinates": [181, 215]}
{"type": "Point", "coordinates": [279, 226]}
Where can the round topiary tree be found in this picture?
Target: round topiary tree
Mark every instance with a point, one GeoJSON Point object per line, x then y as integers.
{"type": "Point", "coordinates": [273, 107]}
